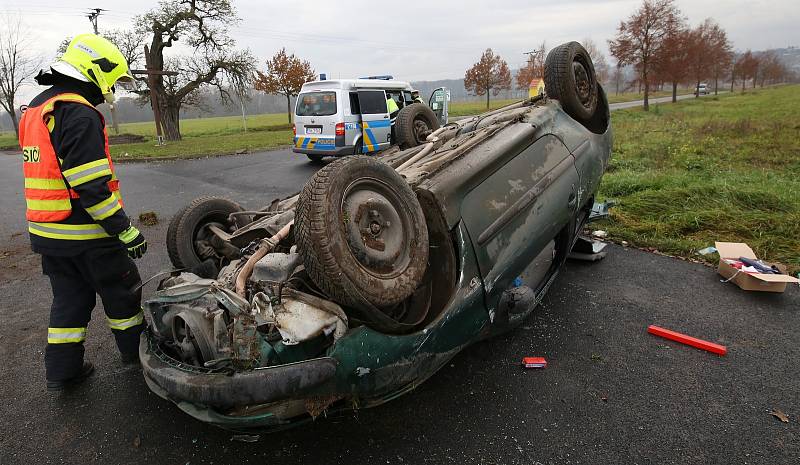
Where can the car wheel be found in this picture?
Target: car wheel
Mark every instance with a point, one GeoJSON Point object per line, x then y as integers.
{"type": "Point", "coordinates": [569, 77]}
{"type": "Point", "coordinates": [314, 158]}
{"type": "Point", "coordinates": [414, 124]}
{"type": "Point", "coordinates": [190, 243]}
{"type": "Point", "coordinates": [362, 234]}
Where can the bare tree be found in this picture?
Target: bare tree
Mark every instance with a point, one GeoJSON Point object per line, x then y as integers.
{"type": "Point", "coordinates": [285, 75]}
{"type": "Point", "coordinates": [673, 58]}
{"type": "Point", "coordinates": [533, 69]}
{"type": "Point", "coordinates": [773, 70]}
{"type": "Point", "coordinates": [202, 25]}
{"type": "Point", "coordinates": [747, 67]}
{"type": "Point", "coordinates": [721, 51]}
{"type": "Point", "coordinates": [640, 38]}
{"type": "Point", "coordinates": [601, 68]}
{"type": "Point", "coordinates": [489, 75]}
{"type": "Point", "coordinates": [18, 63]}
{"type": "Point", "coordinates": [701, 51]}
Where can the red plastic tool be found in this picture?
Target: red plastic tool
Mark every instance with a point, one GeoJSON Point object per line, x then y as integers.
{"type": "Point", "coordinates": [688, 340]}
{"type": "Point", "coordinates": [534, 362]}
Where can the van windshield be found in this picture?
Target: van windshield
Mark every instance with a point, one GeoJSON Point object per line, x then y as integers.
{"type": "Point", "coordinates": [316, 104]}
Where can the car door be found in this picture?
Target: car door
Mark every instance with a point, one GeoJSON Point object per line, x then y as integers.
{"type": "Point", "coordinates": [518, 210]}
{"type": "Point", "coordinates": [375, 123]}
{"type": "Point", "coordinates": [439, 103]}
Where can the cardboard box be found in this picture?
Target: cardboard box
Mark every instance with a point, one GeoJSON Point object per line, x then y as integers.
{"type": "Point", "coordinates": [749, 281]}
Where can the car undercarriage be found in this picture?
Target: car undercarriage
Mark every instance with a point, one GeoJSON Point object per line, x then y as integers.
{"type": "Point", "coordinates": [379, 271]}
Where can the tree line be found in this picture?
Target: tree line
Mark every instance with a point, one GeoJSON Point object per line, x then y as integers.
{"type": "Point", "coordinates": [662, 48]}
{"type": "Point", "coordinates": [656, 41]}
{"type": "Point", "coordinates": [214, 61]}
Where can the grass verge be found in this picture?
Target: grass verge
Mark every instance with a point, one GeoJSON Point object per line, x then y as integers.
{"type": "Point", "coordinates": [725, 169]}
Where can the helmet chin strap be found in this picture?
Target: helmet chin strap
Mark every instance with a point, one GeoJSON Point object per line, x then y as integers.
{"type": "Point", "coordinates": [101, 82]}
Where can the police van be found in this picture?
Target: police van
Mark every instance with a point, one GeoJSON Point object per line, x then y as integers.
{"type": "Point", "coordinates": [350, 116]}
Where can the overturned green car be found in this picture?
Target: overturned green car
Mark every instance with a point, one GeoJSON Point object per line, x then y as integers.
{"type": "Point", "coordinates": [362, 286]}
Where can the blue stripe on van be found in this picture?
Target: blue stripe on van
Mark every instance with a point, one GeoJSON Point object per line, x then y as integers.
{"type": "Point", "coordinates": [379, 123]}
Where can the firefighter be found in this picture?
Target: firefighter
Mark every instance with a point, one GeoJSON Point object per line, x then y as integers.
{"type": "Point", "coordinates": [392, 108]}
{"type": "Point", "coordinates": [74, 208]}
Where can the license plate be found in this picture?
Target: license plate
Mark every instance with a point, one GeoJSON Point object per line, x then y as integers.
{"type": "Point", "coordinates": [313, 130]}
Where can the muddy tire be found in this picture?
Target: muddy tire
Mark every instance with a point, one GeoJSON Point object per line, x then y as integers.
{"type": "Point", "coordinates": [413, 124]}
{"type": "Point", "coordinates": [187, 226]}
{"type": "Point", "coordinates": [569, 77]}
{"type": "Point", "coordinates": [362, 234]}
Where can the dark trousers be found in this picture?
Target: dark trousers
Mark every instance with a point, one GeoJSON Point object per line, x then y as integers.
{"type": "Point", "coordinates": [107, 272]}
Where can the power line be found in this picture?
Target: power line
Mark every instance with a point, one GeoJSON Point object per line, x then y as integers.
{"type": "Point", "coordinates": [93, 14]}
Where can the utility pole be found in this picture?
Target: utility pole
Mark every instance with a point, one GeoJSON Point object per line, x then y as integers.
{"type": "Point", "coordinates": [93, 14]}
{"type": "Point", "coordinates": [151, 72]}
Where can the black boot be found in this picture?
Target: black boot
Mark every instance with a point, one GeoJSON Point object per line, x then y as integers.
{"type": "Point", "coordinates": [86, 370]}
{"type": "Point", "coordinates": [130, 359]}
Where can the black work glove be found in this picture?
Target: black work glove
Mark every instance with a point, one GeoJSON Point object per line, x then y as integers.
{"type": "Point", "coordinates": [134, 242]}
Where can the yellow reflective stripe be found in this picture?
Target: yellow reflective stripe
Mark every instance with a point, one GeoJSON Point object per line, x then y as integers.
{"type": "Point", "coordinates": [125, 323]}
{"type": "Point", "coordinates": [87, 172]}
{"type": "Point", "coordinates": [45, 184]}
{"type": "Point", "coordinates": [105, 208]}
{"type": "Point", "coordinates": [50, 123]}
{"type": "Point", "coordinates": [65, 335]}
{"type": "Point", "coordinates": [49, 205]}
{"type": "Point", "coordinates": [48, 108]}
{"type": "Point", "coordinates": [67, 231]}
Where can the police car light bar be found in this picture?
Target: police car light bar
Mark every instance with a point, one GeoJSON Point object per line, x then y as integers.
{"type": "Point", "coordinates": [385, 77]}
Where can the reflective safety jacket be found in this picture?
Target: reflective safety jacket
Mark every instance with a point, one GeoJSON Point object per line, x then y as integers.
{"type": "Point", "coordinates": [71, 196]}
{"type": "Point", "coordinates": [391, 106]}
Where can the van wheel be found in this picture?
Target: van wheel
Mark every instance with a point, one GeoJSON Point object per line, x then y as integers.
{"type": "Point", "coordinates": [414, 124]}
{"type": "Point", "coordinates": [314, 158]}
{"type": "Point", "coordinates": [569, 77]}
{"type": "Point", "coordinates": [362, 234]}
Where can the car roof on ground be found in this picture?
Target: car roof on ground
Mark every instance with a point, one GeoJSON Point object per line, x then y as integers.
{"type": "Point", "coordinates": [349, 84]}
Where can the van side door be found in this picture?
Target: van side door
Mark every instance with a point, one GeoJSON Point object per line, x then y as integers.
{"type": "Point", "coordinates": [439, 103]}
{"type": "Point", "coordinates": [375, 123]}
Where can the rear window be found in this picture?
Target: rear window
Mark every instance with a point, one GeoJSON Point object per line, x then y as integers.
{"type": "Point", "coordinates": [316, 104]}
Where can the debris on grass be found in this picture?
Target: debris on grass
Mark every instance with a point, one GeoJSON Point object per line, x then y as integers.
{"type": "Point", "coordinates": [148, 218]}
{"type": "Point", "coordinates": [707, 251]}
{"type": "Point", "coordinates": [784, 418]}
{"type": "Point", "coordinates": [599, 234]}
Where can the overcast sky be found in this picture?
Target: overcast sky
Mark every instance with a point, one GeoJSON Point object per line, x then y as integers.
{"type": "Point", "coordinates": [421, 40]}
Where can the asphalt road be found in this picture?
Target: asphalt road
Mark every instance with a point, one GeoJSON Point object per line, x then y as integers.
{"type": "Point", "coordinates": [612, 393]}
{"type": "Point", "coordinates": [638, 103]}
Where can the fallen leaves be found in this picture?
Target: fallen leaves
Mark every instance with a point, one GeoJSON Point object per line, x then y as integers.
{"type": "Point", "coordinates": [780, 415]}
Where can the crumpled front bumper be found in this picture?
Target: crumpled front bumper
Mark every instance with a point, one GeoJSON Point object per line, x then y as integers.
{"type": "Point", "coordinates": [203, 393]}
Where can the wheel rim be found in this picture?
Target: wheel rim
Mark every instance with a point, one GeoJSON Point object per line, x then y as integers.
{"type": "Point", "coordinates": [203, 237]}
{"type": "Point", "coordinates": [378, 227]}
{"type": "Point", "coordinates": [583, 84]}
{"type": "Point", "coordinates": [421, 130]}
